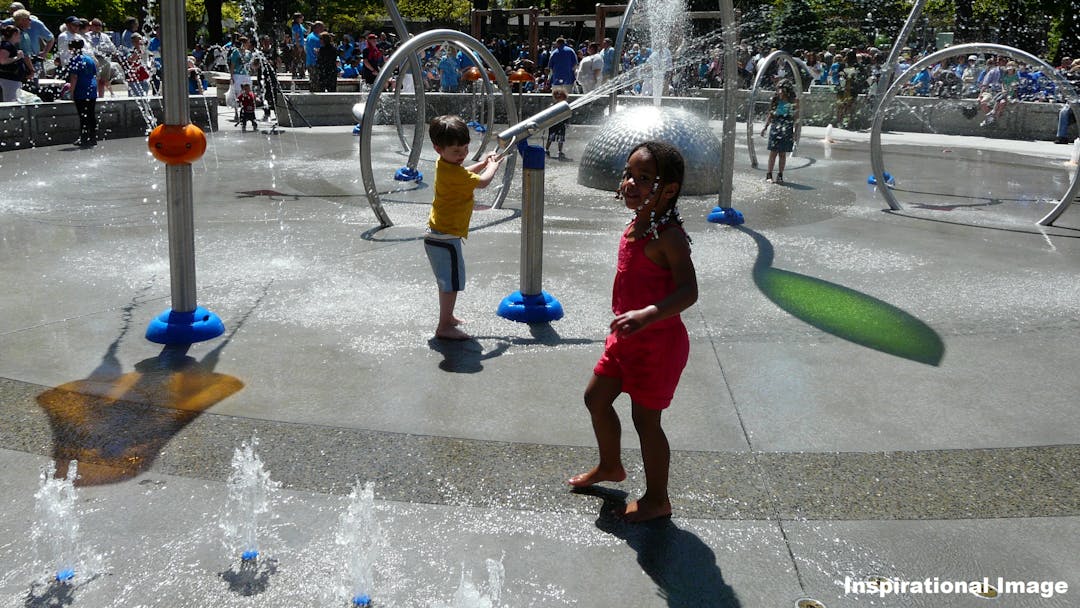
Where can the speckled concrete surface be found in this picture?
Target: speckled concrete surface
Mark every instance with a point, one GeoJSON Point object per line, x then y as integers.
{"type": "Point", "coordinates": [805, 450]}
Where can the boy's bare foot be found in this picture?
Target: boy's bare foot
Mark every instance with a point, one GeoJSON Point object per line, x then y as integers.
{"type": "Point", "coordinates": [596, 475]}
{"type": "Point", "coordinates": [451, 333]}
{"type": "Point", "coordinates": [456, 321]}
{"type": "Point", "coordinates": [645, 509]}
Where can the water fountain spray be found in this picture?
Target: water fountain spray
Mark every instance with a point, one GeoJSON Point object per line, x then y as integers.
{"type": "Point", "coordinates": [359, 533]}
{"type": "Point", "coordinates": [58, 519]}
{"type": "Point", "coordinates": [250, 496]}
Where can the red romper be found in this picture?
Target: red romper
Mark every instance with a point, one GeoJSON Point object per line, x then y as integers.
{"type": "Point", "coordinates": [649, 361]}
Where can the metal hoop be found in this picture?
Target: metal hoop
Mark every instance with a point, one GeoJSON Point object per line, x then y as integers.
{"type": "Point", "coordinates": [876, 160]}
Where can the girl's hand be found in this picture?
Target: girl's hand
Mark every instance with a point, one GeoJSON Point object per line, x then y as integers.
{"type": "Point", "coordinates": [763, 129]}
{"type": "Point", "coordinates": [632, 321]}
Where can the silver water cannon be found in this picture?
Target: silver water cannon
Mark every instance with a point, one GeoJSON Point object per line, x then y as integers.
{"type": "Point", "coordinates": [537, 122]}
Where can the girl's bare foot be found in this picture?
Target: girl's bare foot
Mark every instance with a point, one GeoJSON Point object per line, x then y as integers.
{"type": "Point", "coordinates": [456, 321]}
{"type": "Point", "coordinates": [451, 333]}
{"type": "Point", "coordinates": [645, 509]}
{"type": "Point", "coordinates": [596, 475]}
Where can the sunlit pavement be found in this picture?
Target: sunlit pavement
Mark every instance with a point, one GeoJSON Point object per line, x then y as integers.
{"type": "Point", "coordinates": [869, 393]}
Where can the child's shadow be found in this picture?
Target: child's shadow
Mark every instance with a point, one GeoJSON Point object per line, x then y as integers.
{"type": "Point", "coordinates": [465, 356]}
{"type": "Point", "coordinates": [680, 563]}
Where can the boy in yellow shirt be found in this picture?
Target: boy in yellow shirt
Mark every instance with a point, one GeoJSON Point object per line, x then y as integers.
{"type": "Point", "coordinates": [450, 214]}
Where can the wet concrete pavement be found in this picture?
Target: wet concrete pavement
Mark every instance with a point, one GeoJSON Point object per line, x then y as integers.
{"type": "Point", "coordinates": [869, 393]}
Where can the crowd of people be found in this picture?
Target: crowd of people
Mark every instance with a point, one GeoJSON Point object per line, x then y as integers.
{"type": "Point", "coordinates": [29, 51]}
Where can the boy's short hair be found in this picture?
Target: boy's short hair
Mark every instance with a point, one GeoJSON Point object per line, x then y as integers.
{"type": "Point", "coordinates": [558, 94]}
{"type": "Point", "coordinates": [448, 130]}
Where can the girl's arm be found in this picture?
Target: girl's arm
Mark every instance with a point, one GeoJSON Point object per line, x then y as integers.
{"type": "Point", "coordinates": [673, 251]}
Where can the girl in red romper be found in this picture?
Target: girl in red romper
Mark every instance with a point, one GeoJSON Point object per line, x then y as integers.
{"type": "Point", "coordinates": [648, 347]}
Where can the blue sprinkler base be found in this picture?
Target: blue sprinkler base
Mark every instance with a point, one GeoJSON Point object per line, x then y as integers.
{"type": "Point", "coordinates": [65, 575]}
{"type": "Point", "coordinates": [356, 130]}
{"type": "Point", "coordinates": [406, 174]}
{"type": "Point", "coordinates": [248, 556]}
{"type": "Point", "coordinates": [538, 308]}
{"type": "Point", "coordinates": [726, 215]}
{"type": "Point", "coordinates": [479, 128]}
{"type": "Point", "coordinates": [872, 180]}
{"type": "Point", "coordinates": [172, 327]}
{"type": "Point", "coordinates": [362, 600]}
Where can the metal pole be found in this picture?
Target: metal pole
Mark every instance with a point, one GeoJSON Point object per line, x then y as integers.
{"type": "Point", "coordinates": [530, 304]}
{"type": "Point", "coordinates": [731, 90]}
{"type": "Point", "coordinates": [532, 230]}
{"type": "Point", "coordinates": [178, 177]}
{"type": "Point", "coordinates": [185, 322]}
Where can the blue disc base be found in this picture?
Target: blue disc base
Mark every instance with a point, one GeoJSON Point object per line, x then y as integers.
{"type": "Point", "coordinates": [479, 128]}
{"type": "Point", "coordinates": [872, 180]}
{"type": "Point", "coordinates": [407, 174]}
{"type": "Point", "coordinates": [726, 215]}
{"type": "Point", "coordinates": [172, 327]}
{"type": "Point", "coordinates": [537, 308]}
{"type": "Point", "coordinates": [249, 555]}
{"type": "Point", "coordinates": [65, 575]}
{"type": "Point", "coordinates": [356, 130]}
{"type": "Point", "coordinates": [362, 600]}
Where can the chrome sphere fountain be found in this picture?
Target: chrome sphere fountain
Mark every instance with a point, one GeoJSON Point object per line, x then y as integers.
{"type": "Point", "coordinates": [605, 155]}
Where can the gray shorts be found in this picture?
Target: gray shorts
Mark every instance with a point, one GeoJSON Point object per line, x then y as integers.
{"type": "Point", "coordinates": [446, 262]}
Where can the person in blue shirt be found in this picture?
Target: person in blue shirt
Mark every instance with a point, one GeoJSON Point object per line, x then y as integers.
{"type": "Point", "coordinates": [349, 70]}
{"type": "Point", "coordinates": [920, 83]}
{"type": "Point", "coordinates": [561, 66]}
{"type": "Point", "coordinates": [82, 76]}
{"type": "Point", "coordinates": [299, 37]}
{"type": "Point", "coordinates": [346, 49]}
{"type": "Point", "coordinates": [464, 60]}
{"type": "Point", "coordinates": [608, 53]}
{"type": "Point", "coordinates": [311, 51]}
{"type": "Point", "coordinates": [449, 72]}
{"type": "Point", "coordinates": [34, 35]}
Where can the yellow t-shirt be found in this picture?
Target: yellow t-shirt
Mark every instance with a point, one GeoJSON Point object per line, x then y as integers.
{"type": "Point", "coordinates": [453, 205]}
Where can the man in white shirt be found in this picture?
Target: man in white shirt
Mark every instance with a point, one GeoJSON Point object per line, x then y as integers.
{"type": "Point", "coordinates": [72, 30]}
{"type": "Point", "coordinates": [590, 69]}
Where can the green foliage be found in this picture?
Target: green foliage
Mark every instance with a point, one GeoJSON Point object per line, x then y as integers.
{"type": "Point", "coordinates": [797, 27]}
{"type": "Point", "coordinates": [438, 11]}
{"type": "Point", "coordinates": [844, 37]}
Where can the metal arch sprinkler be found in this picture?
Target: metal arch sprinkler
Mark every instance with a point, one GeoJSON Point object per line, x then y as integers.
{"type": "Point", "coordinates": [876, 155]}
{"type": "Point", "coordinates": [178, 143]}
{"type": "Point", "coordinates": [794, 65]}
{"type": "Point", "coordinates": [888, 89]}
{"type": "Point", "coordinates": [406, 50]}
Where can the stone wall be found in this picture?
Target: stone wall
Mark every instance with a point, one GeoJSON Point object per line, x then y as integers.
{"type": "Point", "coordinates": [57, 122]}
{"type": "Point", "coordinates": [1023, 120]}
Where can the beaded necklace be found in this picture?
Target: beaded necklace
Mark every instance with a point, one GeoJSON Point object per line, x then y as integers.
{"type": "Point", "coordinates": [655, 223]}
